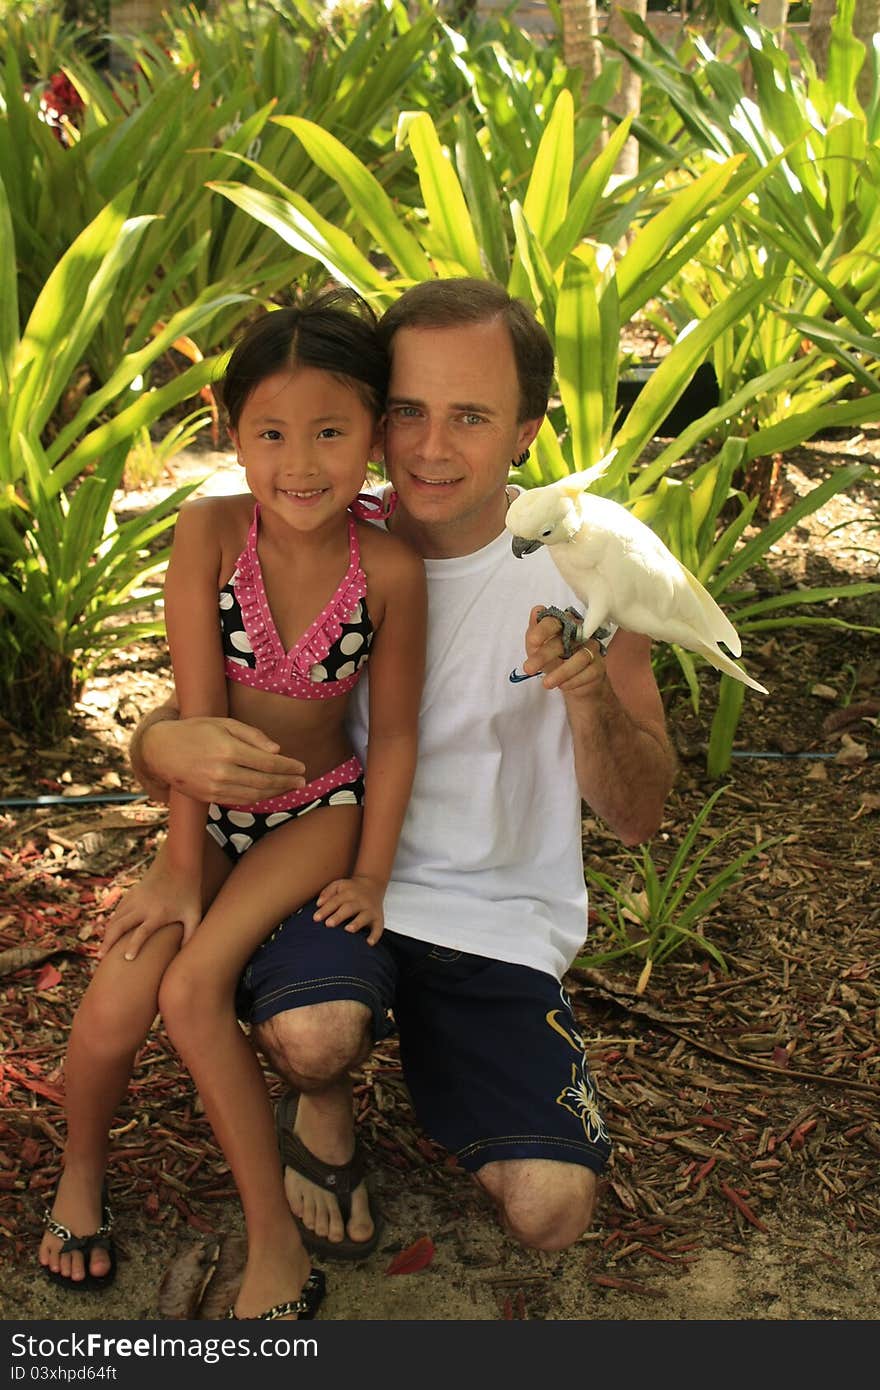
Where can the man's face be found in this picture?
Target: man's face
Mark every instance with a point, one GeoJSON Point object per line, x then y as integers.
{"type": "Point", "coordinates": [452, 430]}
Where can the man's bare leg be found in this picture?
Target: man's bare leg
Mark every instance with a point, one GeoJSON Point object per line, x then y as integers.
{"type": "Point", "coordinates": [541, 1203]}
{"type": "Point", "coordinates": [313, 1048]}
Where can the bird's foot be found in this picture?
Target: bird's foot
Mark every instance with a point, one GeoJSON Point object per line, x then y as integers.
{"type": "Point", "coordinates": [571, 623]}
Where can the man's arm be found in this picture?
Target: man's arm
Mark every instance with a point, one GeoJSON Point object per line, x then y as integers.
{"type": "Point", "coordinates": [209, 759]}
{"type": "Point", "coordinates": [624, 762]}
{"type": "Point", "coordinates": [150, 779]}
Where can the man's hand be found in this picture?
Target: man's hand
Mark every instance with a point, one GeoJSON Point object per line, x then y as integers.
{"type": "Point", "coordinates": [221, 760]}
{"type": "Point", "coordinates": [358, 898]}
{"type": "Point", "coordinates": [582, 673]}
{"type": "Point", "coordinates": [163, 897]}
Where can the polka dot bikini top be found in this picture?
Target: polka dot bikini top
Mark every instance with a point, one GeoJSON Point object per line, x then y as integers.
{"type": "Point", "coordinates": [327, 659]}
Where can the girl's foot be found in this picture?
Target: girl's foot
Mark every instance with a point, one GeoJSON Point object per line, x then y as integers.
{"type": "Point", "coordinates": [300, 1309]}
{"type": "Point", "coordinates": [80, 1207]}
{"type": "Point", "coordinates": [276, 1276]}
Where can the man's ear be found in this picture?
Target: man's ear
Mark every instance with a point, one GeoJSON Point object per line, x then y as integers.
{"type": "Point", "coordinates": [377, 447]}
{"type": "Point", "coordinates": [528, 431]}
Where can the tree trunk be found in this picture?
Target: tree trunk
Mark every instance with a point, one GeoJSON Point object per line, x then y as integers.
{"type": "Point", "coordinates": [580, 24]}
{"type": "Point", "coordinates": [773, 14]}
{"type": "Point", "coordinates": [866, 23]}
{"type": "Point", "coordinates": [819, 34]}
{"type": "Point", "coordinates": [628, 98]}
{"type": "Point", "coordinates": [132, 17]}
{"type": "Point", "coordinates": [128, 18]}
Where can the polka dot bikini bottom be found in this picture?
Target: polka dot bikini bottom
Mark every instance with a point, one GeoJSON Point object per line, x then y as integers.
{"type": "Point", "coordinates": [237, 828]}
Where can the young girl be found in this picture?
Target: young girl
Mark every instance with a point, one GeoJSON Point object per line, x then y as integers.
{"type": "Point", "coordinates": [307, 593]}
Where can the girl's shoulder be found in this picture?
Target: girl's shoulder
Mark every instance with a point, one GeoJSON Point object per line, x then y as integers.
{"type": "Point", "coordinates": [384, 552]}
{"type": "Point", "coordinates": [221, 517]}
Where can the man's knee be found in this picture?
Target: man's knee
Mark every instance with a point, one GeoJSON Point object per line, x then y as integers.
{"type": "Point", "coordinates": [317, 1044]}
{"type": "Point", "coordinates": [541, 1203]}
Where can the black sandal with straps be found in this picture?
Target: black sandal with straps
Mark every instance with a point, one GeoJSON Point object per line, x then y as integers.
{"type": "Point", "coordinates": [305, 1307]}
{"type": "Point", "coordinates": [101, 1239]}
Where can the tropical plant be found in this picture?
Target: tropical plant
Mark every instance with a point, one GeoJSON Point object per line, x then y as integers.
{"type": "Point", "coordinates": [171, 126]}
{"type": "Point", "coordinates": [74, 583]}
{"type": "Point", "coordinates": [584, 294]}
{"type": "Point", "coordinates": [42, 36]}
{"type": "Point", "coordinates": [147, 457]}
{"type": "Point", "coordinates": [668, 910]}
{"type": "Point", "coordinates": [810, 229]}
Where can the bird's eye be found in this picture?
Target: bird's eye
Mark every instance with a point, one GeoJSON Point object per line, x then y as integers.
{"type": "Point", "coordinates": [548, 532]}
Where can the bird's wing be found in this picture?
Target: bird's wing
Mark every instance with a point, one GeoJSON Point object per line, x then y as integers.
{"type": "Point", "coordinates": [652, 591]}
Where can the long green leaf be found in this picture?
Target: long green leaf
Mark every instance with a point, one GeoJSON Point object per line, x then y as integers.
{"type": "Point", "coordinates": [586, 333]}
{"type": "Point", "coordinates": [546, 202]}
{"type": "Point", "coordinates": [8, 292]}
{"type": "Point", "coordinates": [302, 228]}
{"type": "Point", "coordinates": [675, 371]}
{"type": "Point", "coordinates": [586, 197]}
{"type": "Point", "coordinates": [443, 198]}
{"type": "Point", "coordinates": [481, 191]}
{"type": "Point", "coordinates": [150, 406]}
{"type": "Point", "coordinates": [724, 723]}
{"type": "Point", "coordinates": [366, 195]}
{"type": "Point", "coordinates": [659, 235]}
{"type": "Point", "coordinates": [839, 481]}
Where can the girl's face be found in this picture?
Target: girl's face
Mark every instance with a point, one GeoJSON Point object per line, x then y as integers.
{"type": "Point", "coordinates": [304, 439]}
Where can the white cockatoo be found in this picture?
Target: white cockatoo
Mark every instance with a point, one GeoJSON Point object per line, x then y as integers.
{"type": "Point", "coordinates": [621, 571]}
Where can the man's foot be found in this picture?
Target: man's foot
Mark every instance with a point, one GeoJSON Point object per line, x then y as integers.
{"type": "Point", "coordinates": [77, 1248]}
{"type": "Point", "coordinates": [328, 1195]}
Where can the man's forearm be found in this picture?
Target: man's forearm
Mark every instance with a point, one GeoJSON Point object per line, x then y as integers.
{"type": "Point", "coordinates": [152, 784]}
{"type": "Point", "coordinates": [624, 769]}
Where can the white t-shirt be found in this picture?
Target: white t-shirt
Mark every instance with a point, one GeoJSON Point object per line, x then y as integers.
{"type": "Point", "coordinates": [489, 860]}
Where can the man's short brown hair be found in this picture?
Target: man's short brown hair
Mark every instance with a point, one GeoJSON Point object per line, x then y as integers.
{"type": "Point", "coordinates": [456, 302]}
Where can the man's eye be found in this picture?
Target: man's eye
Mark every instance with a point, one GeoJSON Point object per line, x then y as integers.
{"type": "Point", "coordinates": [405, 412]}
{"type": "Point", "coordinates": [471, 419]}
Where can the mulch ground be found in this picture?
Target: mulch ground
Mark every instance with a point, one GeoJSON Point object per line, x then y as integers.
{"type": "Point", "coordinates": [730, 1095]}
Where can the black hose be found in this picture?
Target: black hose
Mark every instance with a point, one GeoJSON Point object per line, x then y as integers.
{"type": "Point", "coordinates": [89, 800]}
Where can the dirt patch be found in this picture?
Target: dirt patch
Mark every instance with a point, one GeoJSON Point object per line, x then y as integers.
{"type": "Point", "coordinates": [743, 1103]}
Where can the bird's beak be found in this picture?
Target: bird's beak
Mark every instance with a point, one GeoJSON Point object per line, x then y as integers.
{"type": "Point", "coordinates": [520, 546]}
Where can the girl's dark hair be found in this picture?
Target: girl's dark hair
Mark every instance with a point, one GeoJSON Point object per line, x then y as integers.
{"type": "Point", "coordinates": [458, 301]}
{"type": "Point", "coordinates": [335, 331]}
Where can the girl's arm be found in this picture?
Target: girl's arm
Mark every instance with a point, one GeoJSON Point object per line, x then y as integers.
{"type": "Point", "coordinates": [397, 667]}
{"type": "Point", "coordinates": [192, 627]}
{"type": "Point", "coordinates": [171, 891]}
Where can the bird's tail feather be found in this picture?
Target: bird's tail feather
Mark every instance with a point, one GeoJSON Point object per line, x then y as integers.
{"type": "Point", "coordinates": [719, 624]}
{"type": "Point", "coordinates": [721, 662]}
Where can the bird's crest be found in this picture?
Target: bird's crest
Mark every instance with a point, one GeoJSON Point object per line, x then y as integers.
{"type": "Point", "coordinates": [576, 483]}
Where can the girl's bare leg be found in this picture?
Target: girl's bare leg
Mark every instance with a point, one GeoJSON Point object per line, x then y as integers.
{"type": "Point", "coordinates": [281, 872]}
{"type": "Point", "coordinates": [111, 1023]}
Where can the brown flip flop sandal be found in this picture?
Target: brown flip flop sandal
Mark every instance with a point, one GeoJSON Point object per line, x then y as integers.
{"type": "Point", "coordinates": [338, 1179]}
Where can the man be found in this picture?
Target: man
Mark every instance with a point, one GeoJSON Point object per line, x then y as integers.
{"type": "Point", "coordinates": [486, 908]}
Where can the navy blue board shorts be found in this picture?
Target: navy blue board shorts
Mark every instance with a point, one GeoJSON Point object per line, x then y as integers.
{"type": "Point", "coordinates": [490, 1051]}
